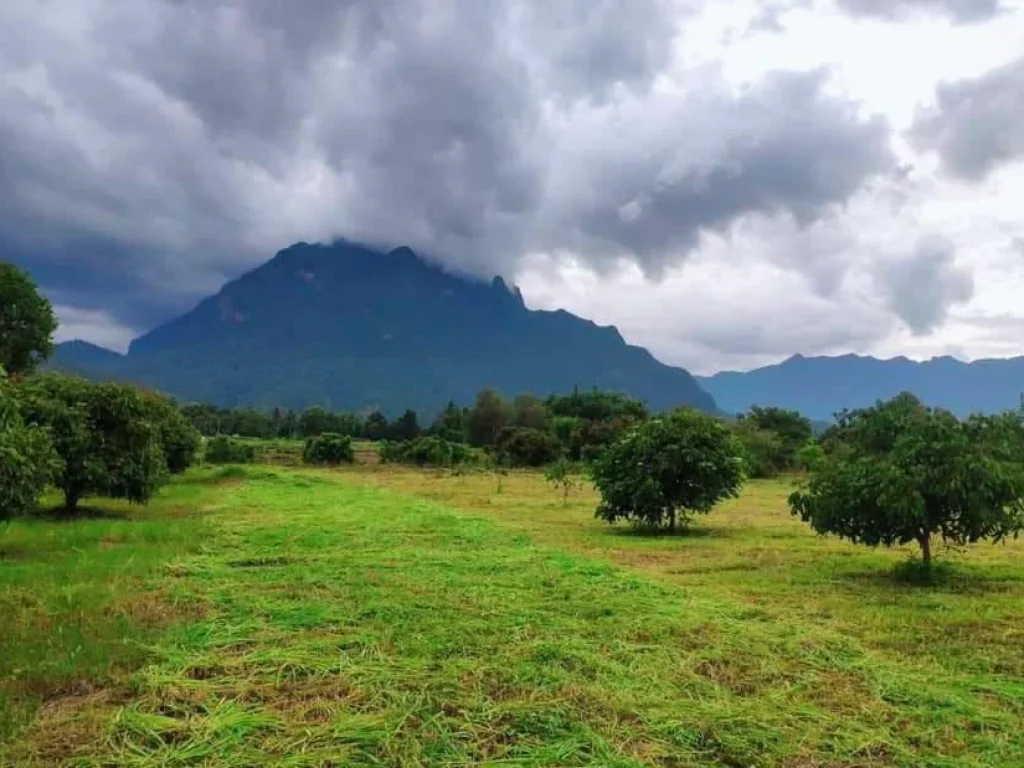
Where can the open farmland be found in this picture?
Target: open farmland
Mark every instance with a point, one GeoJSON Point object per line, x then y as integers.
{"type": "Point", "coordinates": [379, 616]}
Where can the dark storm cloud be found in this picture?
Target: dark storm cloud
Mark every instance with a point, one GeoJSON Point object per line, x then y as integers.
{"type": "Point", "coordinates": [959, 11]}
{"type": "Point", "coordinates": [923, 287]}
{"type": "Point", "coordinates": [154, 148]}
{"type": "Point", "coordinates": [976, 124]}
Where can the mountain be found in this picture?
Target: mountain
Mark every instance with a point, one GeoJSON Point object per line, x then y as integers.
{"type": "Point", "coordinates": [818, 387]}
{"type": "Point", "coordinates": [352, 328]}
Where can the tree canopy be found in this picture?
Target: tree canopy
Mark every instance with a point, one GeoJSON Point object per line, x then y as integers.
{"type": "Point", "coordinates": [900, 472]}
{"type": "Point", "coordinates": [105, 435]}
{"type": "Point", "coordinates": [667, 469]}
{"type": "Point", "coordinates": [27, 322]}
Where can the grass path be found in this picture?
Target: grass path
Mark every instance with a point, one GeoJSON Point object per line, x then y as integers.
{"type": "Point", "coordinates": [326, 620]}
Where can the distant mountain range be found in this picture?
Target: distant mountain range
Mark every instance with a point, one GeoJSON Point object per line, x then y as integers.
{"type": "Point", "coordinates": [351, 328]}
{"type": "Point", "coordinates": [818, 387]}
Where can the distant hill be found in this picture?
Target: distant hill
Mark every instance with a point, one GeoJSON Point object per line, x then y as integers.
{"type": "Point", "coordinates": [351, 328]}
{"type": "Point", "coordinates": [820, 386]}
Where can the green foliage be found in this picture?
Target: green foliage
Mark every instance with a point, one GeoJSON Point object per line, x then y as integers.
{"type": "Point", "coordinates": [179, 440]}
{"type": "Point", "coordinates": [564, 474]}
{"type": "Point", "coordinates": [227, 450]}
{"type": "Point", "coordinates": [27, 458]}
{"type": "Point", "coordinates": [27, 322]}
{"type": "Point", "coordinates": [764, 452]}
{"type": "Point", "coordinates": [488, 416]}
{"type": "Point", "coordinates": [406, 426]}
{"type": "Point", "coordinates": [810, 456]}
{"type": "Point", "coordinates": [667, 469]}
{"type": "Point", "coordinates": [427, 451]}
{"type": "Point", "coordinates": [329, 448]}
{"type": "Point", "coordinates": [450, 424]}
{"type": "Point", "coordinates": [903, 472]}
{"type": "Point", "coordinates": [104, 434]}
{"type": "Point", "coordinates": [376, 427]}
{"type": "Point", "coordinates": [791, 431]}
{"type": "Point", "coordinates": [527, 447]}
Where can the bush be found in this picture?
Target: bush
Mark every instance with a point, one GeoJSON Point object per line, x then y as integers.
{"type": "Point", "coordinates": [330, 449]}
{"type": "Point", "coordinates": [428, 451]}
{"type": "Point", "coordinates": [225, 450]}
{"type": "Point", "coordinates": [764, 452]}
{"type": "Point", "coordinates": [668, 468]}
{"type": "Point", "coordinates": [902, 472]}
{"type": "Point", "coordinates": [27, 458]}
{"type": "Point", "coordinates": [527, 447]}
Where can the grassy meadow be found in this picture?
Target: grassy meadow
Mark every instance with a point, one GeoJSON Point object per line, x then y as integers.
{"type": "Point", "coordinates": [375, 616]}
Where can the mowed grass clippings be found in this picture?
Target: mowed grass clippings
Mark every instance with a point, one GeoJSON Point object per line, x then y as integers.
{"type": "Point", "coordinates": [349, 620]}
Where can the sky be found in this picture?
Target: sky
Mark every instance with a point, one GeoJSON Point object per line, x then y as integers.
{"type": "Point", "coordinates": [729, 182]}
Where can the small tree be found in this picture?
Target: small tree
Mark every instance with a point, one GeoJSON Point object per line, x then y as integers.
{"type": "Point", "coordinates": [27, 459]}
{"type": "Point", "coordinates": [104, 435]}
{"type": "Point", "coordinates": [330, 449]}
{"type": "Point", "coordinates": [27, 322]}
{"type": "Point", "coordinates": [667, 469]}
{"type": "Point", "coordinates": [563, 474]}
{"type": "Point", "coordinates": [903, 472]}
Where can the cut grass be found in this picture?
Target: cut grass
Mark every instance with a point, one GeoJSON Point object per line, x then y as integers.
{"type": "Point", "coordinates": [349, 620]}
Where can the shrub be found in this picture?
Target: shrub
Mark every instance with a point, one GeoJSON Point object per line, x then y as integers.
{"type": "Point", "coordinates": [226, 450]}
{"type": "Point", "coordinates": [668, 468]}
{"type": "Point", "coordinates": [903, 472]}
{"type": "Point", "coordinates": [527, 447]}
{"type": "Point", "coordinates": [330, 449]}
{"type": "Point", "coordinates": [427, 451]}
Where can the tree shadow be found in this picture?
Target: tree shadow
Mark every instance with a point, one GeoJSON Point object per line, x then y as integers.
{"type": "Point", "coordinates": [655, 533]}
{"type": "Point", "coordinates": [943, 576]}
{"type": "Point", "coordinates": [61, 514]}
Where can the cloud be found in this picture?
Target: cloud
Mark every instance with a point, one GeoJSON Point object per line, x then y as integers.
{"type": "Point", "coordinates": [959, 11]}
{"type": "Point", "coordinates": [976, 124]}
{"type": "Point", "coordinates": [154, 149]}
{"type": "Point", "coordinates": [922, 287]}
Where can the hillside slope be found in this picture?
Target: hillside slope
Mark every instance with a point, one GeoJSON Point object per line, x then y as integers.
{"type": "Point", "coordinates": [352, 328]}
{"type": "Point", "coordinates": [820, 386]}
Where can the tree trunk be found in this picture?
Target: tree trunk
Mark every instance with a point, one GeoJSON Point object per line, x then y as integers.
{"type": "Point", "coordinates": [925, 540]}
{"type": "Point", "coordinates": [672, 520]}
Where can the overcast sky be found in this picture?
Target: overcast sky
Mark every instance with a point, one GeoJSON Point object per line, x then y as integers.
{"type": "Point", "coordinates": [729, 182]}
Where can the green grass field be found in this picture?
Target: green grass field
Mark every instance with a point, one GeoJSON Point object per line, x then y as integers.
{"type": "Point", "coordinates": [375, 616]}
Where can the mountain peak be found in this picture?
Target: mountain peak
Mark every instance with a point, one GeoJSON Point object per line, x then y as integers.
{"type": "Point", "coordinates": [347, 326]}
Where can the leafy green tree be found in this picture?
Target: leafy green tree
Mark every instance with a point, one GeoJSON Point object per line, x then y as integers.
{"type": "Point", "coordinates": [329, 448]}
{"type": "Point", "coordinates": [27, 322]}
{"type": "Point", "coordinates": [27, 459]}
{"type": "Point", "coordinates": [179, 440]}
{"type": "Point", "coordinates": [376, 426]}
{"type": "Point", "coordinates": [563, 474]}
{"type": "Point", "coordinates": [526, 447]}
{"type": "Point", "coordinates": [764, 452]}
{"type": "Point", "coordinates": [104, 434]}
{"type": "Point", "coordinates": [488, 416]}
{"type": "Point", "coordinates": [792, 429]}
{"type": "Point", "coordinates": [667, 469]}
{"type": "Point", "coordinates": [450, 424]}
{"type": "Point", "coordinates": [530, 412]}
{"type": "Point", "coordinates": [406, 426]}
{"type": "Point", "coordinates": [904, 472]}
{"type": "Point", "coordinates": [314, 421]}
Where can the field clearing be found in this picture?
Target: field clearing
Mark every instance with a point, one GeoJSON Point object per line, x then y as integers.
{"type": "Point", "coordinates": [380, 616]}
